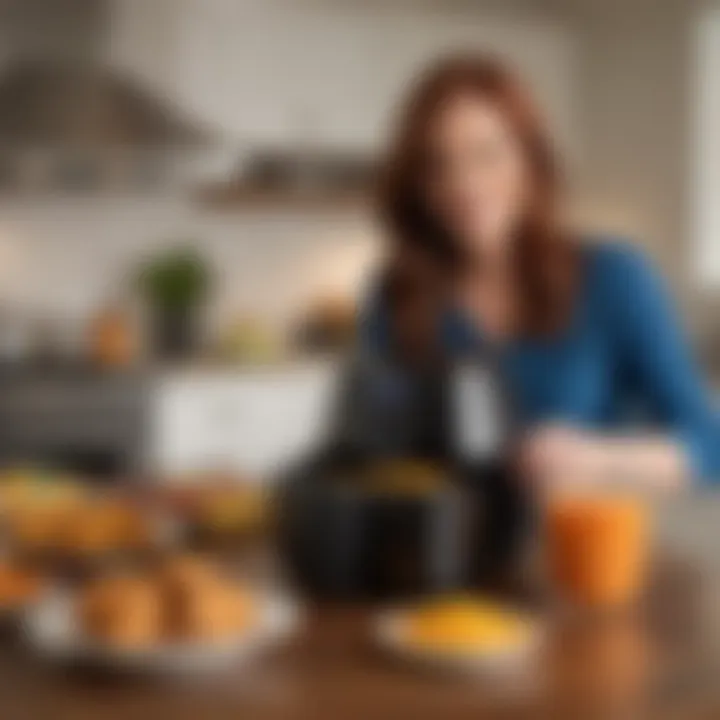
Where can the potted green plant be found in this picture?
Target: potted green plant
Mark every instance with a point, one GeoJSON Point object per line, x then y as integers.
{"type": "Point", "coordinates": [174, 284]}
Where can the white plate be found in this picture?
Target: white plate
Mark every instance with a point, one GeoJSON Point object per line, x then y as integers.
{"type": "Point", "coordinates": [52, 630]}
{"type": "Point", "coordinates": [390, 631]}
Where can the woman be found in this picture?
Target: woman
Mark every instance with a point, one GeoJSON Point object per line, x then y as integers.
{"type": "Point", "coordinates": [584, 331]}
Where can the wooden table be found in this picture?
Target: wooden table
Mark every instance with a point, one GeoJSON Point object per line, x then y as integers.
{"type": "Point", "coordinates": [660, 663]}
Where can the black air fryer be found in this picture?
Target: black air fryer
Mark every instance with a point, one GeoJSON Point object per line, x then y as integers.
{"type": "Point", "coordinates": [341, 539]}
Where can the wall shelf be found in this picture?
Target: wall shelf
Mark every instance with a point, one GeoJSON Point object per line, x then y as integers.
{"type": "Point", "coordinates": [230, 197]}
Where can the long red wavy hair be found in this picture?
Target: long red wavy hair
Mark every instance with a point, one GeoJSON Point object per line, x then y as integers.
{"type": "Point", "coordinates": [546, 257]}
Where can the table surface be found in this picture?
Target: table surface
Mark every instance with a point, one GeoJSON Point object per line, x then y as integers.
{"type": "Point", "coordinates": [657, 662]}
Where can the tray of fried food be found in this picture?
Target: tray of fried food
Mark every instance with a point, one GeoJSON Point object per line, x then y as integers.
{"type": "Point", "coordinates": [185, 614]}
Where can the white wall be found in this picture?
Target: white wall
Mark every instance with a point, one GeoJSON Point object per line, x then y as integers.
{"type": "Point", "coordinates": [633, 104]}
{"type": "Point", "coordinates": [648, 118]}
{"type": "Point", "coordinates": [276, 69]}
{"type": "Point", "coordinates": [324, 70]}
{"type": "Point", "coordinates": [65, 258]}
{"type": "Point", "coordinates": [705, 149]}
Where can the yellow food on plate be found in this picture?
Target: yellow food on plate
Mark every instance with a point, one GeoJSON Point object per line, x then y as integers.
{"type": "Point", "coordinates": [466, 625]}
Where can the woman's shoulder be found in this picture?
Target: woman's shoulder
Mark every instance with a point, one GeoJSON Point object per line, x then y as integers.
{"type": "Point", "coordinates": [609, 255]}
{"type": "Point", "coordinates": [623, 285]}
{"type": "Point", "coordinates": [616, 266]}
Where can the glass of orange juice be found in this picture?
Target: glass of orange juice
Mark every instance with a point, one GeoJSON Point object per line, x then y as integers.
{"type": "Point", "coordinates": [597, 547]}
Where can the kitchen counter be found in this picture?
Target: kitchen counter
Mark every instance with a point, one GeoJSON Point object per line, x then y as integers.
{"type": "Point", "coordinates": [661, 662]}
{"type": "Point", "coordinates": [165, 420]}
{"type": "Point", "coordinates": [658, 665]}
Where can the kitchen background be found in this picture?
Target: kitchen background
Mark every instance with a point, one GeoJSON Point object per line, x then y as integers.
{"type": "Point", "coordinates": [246, 130]}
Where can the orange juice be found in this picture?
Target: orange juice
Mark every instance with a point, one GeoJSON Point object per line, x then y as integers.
{"type": "Point", "coordinates": [597, 548]}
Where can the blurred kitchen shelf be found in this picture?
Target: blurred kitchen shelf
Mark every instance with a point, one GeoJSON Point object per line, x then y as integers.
{"type": "Point", "coordinates": [228, 197]}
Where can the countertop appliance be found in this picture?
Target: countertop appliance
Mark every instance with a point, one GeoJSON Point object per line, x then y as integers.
{"type": "Point", "coordinates": [339, 541]}
{"type": "Point", "coordinates": [342, 540]}
{"type": "Point", "coordinates": [88, 421]}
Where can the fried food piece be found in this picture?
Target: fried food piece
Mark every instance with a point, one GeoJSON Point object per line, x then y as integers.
{"type": "Point", "coordinates": [124, 611]}
{"type": "Point", "coordinates": [199, 603]}
{"type": "Point", "coordinates": [98, 527]}
{"type": "Point", "coordinates": [35, 529]}
{"type": "Point", "coordinates": [17, 586]}
{"type": "Point", "coordinates": [203, 613]}
{"type": "Point", "coordinates": [180, 582]}
{"type": "Point", "coordinates": [125, 524]}
{"type": "Point", "coordinates": [84, 532]}
{"type": "Point", "coordinates": [186, 571]}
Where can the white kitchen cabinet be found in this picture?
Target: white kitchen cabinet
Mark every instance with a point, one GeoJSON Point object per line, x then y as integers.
{"type": "Point", "coordinates": [253, 421]}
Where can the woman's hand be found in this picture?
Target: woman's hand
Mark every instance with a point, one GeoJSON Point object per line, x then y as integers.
{"type": "Point", "coordinates": [556, 455]}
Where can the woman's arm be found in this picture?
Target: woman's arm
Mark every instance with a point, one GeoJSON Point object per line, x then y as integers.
{"type": "Point", "coordinates": [557, 455]}
{"type": "Point", "coordinates": [655, 356]}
